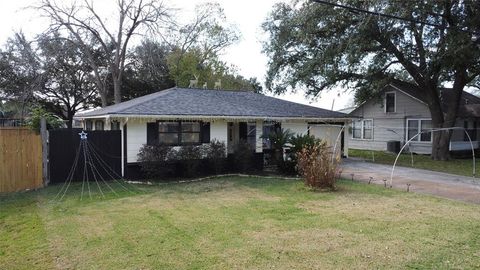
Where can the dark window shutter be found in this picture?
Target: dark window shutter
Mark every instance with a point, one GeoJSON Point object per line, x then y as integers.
{"type": "Point", "coordinates": [242, 130]}
{"type": "Point", "coordinates": [152, 133]}
{"type": "Point", "coordinates": [205, 132]}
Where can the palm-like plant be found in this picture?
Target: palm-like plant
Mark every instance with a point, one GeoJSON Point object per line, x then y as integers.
{"type": "Point", "coordinates": [279, 139]}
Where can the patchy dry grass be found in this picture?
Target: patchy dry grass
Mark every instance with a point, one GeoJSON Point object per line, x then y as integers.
{"type": "Point", "coordinates": [238, 223]}
{"type": "Point", "coordinates": [460, 166]}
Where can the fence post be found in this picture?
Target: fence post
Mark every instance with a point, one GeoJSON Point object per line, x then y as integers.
{"type": "Point", "coordinates": [44, 136]}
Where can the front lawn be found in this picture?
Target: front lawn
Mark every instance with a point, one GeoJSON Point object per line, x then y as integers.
{"type": "Point", "coordinates": [453, 166]}
{"type": "Point", "coordinates": [238, 223]}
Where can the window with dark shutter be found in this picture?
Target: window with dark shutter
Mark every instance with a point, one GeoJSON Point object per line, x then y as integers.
{"type": "Point", "coordinates": [152, 133]}
{"type": "Point", "coordinates": [180, 132]}
{"type": "Point", "coordinates": [205, 131]}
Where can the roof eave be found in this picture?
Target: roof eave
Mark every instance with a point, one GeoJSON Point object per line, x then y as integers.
{"type": "Point", "coordinates": [309, 118]}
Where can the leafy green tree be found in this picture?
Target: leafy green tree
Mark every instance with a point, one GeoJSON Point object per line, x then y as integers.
{"type": "Point", "coordinates": [147, 71]}
{"type": "Point", "coordinates": [67, 83]}
{"type": "Point", "coordinates": [20, 72]}
{"type": "Point", "coordinates": [196, 45]}
{"type": "Point", "coordinates": [208, 72]}
{"type": "Point", "coordinates": [318, 46]}
{"type": "Point", "coordinates": [37, 113]}
{"type": "Point", "coordinates": [51, 72]}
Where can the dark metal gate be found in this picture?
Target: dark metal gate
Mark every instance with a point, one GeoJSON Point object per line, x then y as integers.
{"type": "Point", "coordinates": [63, 146]}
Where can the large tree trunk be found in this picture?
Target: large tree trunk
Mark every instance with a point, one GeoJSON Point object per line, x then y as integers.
{"type": "Point", "coordinates": [447, 119]}
{"type": "Point", "coordinates": [103, 99]}
{"type": "Point", "coordinates": [441, 145]}
{"type": "Point", "coordinates": [117, 91]}
{"type": "Point", "coordinates": [70, 115]}
{"type": "Point", "coordinates": [440, 139]}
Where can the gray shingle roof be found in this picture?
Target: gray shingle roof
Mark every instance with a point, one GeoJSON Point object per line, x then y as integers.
{"type": "Point", "coordinates": [194, 102]}
{"type": "Point", "coordinates": [469, 104]}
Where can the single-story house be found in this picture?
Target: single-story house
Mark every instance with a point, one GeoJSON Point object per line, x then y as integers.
{"type": "Point", "coordinates": [179, 116]}
{"type": "Point", "coordinates": [401, 113]}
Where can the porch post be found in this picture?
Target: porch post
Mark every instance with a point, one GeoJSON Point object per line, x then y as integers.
{"type": "Point", "coordinates": [122, 159]}
{"type": "Point", "coordinates": [259, 133]}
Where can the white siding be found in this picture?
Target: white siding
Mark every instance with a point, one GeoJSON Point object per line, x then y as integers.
{"type": "Point", "coordinates": [329, 134]}
{"type": "Point", "coordinates": [299, 127]}
{"type": "Point", "coordinates": [136, 138]}
{"type": "Point", "coordinates": [218, 131]}
{"type": "Point", "coordinates": [259, 139]}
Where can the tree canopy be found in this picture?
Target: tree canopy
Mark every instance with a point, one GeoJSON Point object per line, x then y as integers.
{"type": "Point", "coordinates": [89, 29]}
{"type": "Point", "coordinates": [51, 72]}
{"type": "Point", "coordinates": [317, 46]}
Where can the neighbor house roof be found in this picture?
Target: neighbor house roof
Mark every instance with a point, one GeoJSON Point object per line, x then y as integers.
{"type": "Point", "coordinates": [204, 102]}
{"type": "Point", "coordinates": [469, 104]}
{"type": "Point", "coordinates": [445, 93]}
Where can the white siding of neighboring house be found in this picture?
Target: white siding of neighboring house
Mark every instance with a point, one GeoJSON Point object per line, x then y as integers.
{"type": "Point", "coordinates": [459, 141]}
{"type": "Point", "coordinates": [390, 126]}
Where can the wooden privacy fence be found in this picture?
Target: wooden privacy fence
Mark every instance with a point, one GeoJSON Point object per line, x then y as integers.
{"type": "Point", "coordinates": [20, 159]}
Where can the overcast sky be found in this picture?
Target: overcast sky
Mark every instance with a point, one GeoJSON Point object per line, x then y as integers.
{"type": "Point", "coordinates": [246, 55]}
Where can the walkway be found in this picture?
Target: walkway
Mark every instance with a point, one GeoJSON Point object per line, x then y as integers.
{"type": "Point", "coordinates": [446, 185]}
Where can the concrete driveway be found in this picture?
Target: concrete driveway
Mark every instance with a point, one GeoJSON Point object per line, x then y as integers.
{"type": "Point", "coordinates": [445, 185]}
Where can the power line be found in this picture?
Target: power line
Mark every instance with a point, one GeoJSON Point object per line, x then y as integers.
{"type": "Point", "coordinates": [379, 14]}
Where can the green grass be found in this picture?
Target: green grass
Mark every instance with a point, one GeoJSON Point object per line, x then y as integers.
{"type": "Point", "coordinates": [238, 223]}
{"type": "Point", "coordinates": [453, 166]}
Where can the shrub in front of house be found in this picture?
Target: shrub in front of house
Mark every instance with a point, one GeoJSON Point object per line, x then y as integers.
{"type": "Point", "coordinates": [317, 167]}
{"type": "Point", "coordinates": [243, 157]}
{"type": "Point", "coordinates": [215, 154]}
{"type": "Point", "coordinates": [160, 161]}
{"type": "Point", "coordinates": [154, 160]}
{"type": "Point", "coordinates": [189, 157]}
{"type": "Point", "coordinates": [297, 142]}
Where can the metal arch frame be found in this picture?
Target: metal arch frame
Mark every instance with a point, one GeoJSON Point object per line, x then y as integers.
{"type": "Point", "coordinates": [434, 130]}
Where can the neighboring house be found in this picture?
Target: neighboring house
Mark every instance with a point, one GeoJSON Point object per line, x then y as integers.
{"type": "Point", "coordinates": [180, 116]}
{"type": "Point", "coordinates": [401, 113]}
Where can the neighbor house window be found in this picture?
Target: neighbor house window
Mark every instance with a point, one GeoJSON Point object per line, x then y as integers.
{"type": "Point", "coordinates": [178, 132]}
{"type": "Point", "coordinates": [474, 131]}
{"type": "Point", "coordinates": [414, 126]}
{"type": "Point", "coordinates": [357, 129]}
{"type": "Point", "coordinates": [363, 129]}
{"type": "Point", "coordinates": [471, 130]}
{"type": "Point", "coordinates": [98, 125]}
{"type": "Point", "coordinates": [390, 102]}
